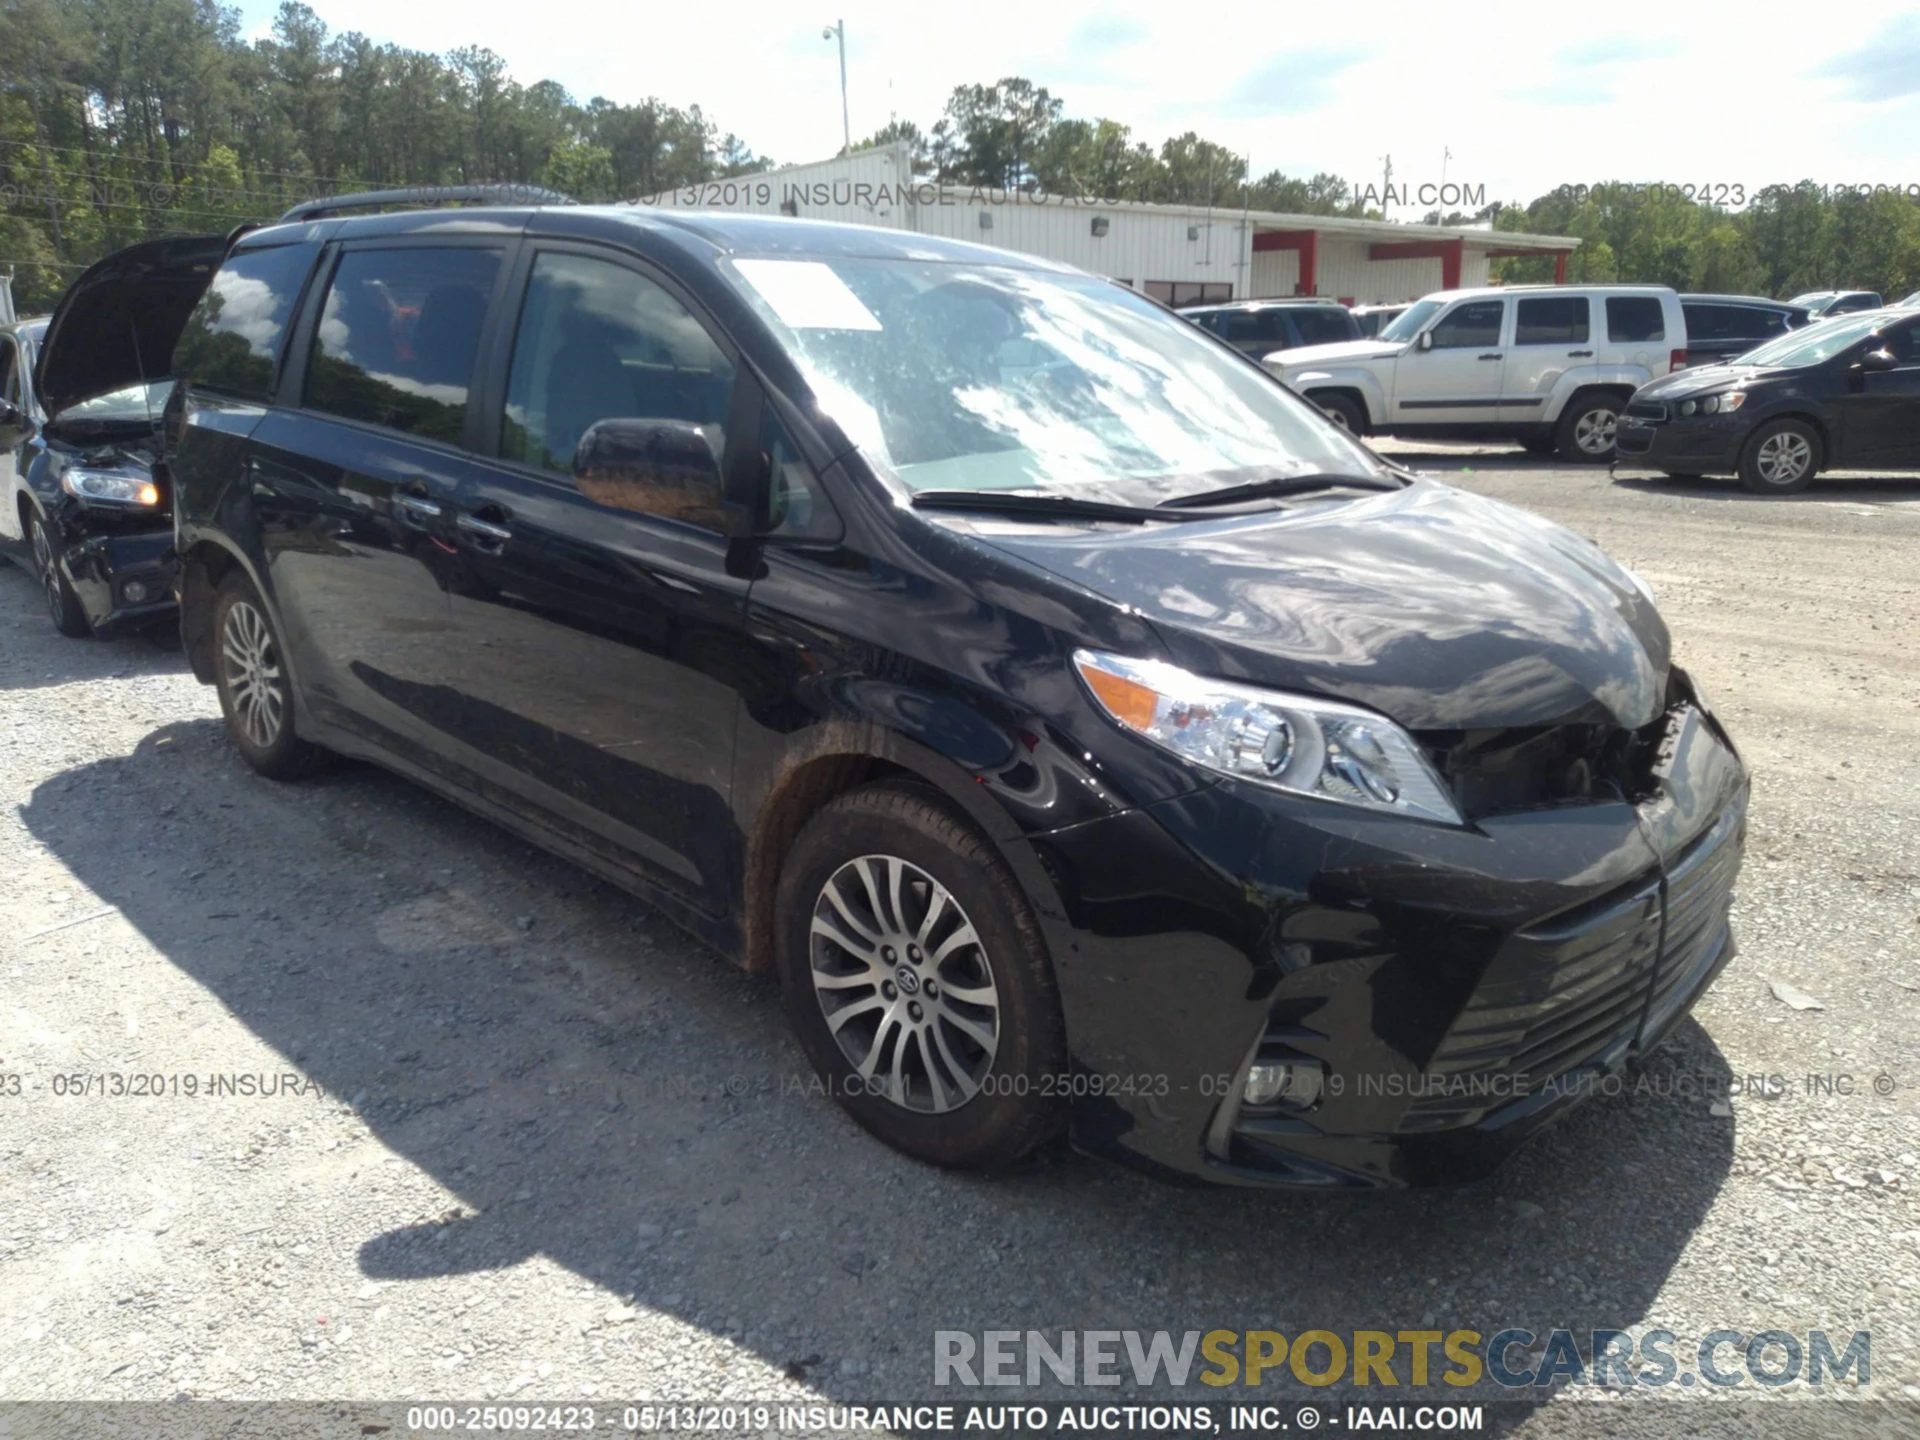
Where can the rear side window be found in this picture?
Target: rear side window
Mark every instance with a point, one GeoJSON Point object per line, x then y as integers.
{"type": "Point", "coordinates": [1254, 327]}
{"type": "Point", "coordinates": [1322, 325]}
{"type": "Point", "coordinates": [1634, 319]}
{"type": "Point", "coordinates": [9, 373]}
{"type": "Point", "coordinates": [1475, 323]}
{"type": "Point", "coordinates": [232, 340]}
{"type": "Point", "coordinates": [1551, 320]}
{"type": "Point", "coordinates": [398, 337]}
{"type": "Point", "coordinates": [598, 341]}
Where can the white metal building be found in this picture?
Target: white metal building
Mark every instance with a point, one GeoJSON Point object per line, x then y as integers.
{"type": "Point", "coordinates": [1181, 254]}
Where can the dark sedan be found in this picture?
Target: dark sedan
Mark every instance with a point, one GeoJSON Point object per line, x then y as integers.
{"type": "Point", "coordinates": [1841, 394]}
{"type": "Point", "coordinates": [1831, 304]}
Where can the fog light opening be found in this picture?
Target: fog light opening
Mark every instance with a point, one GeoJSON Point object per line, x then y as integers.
{"type": "Point", "coordinates": [135, 591]}
{"type": "Point", "coordinates": [1289, 1084]}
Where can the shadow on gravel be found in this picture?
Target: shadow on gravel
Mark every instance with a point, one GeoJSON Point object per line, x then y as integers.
{"type": "Point", "coordinates": [596, 1090]}
{"type": "Point", "coordinates": [153, 651]}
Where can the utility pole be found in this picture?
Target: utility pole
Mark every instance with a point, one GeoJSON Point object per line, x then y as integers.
{"type": "Point", "coordinates": [838, 31]}
{"type": "Point", "coordinates": [1445, 156]}
{"type": "Point", "coordinates": [1386, 191]}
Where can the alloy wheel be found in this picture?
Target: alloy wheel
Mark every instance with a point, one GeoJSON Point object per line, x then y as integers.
{"type": "Point", "coordinates": [1593, 432]}
{"type": "Point", "coordinates": [905, 984]}
{"type": "Point", "coordinates": [48, 569]}
{"type": "Point", "coordinates": [252, 673]}
{"type": "Point", "coordinates": [1338, 417]}
{"type": "Point", "coordinates": [1783, 457]}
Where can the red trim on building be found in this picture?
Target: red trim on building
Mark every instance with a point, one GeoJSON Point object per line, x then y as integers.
{"type": "Point", "coordinates": [1448, 252]}
{"type": "Point", "coordinates": [1305, 242]}
{"type": "Point", "coordinates": [1560, 267]}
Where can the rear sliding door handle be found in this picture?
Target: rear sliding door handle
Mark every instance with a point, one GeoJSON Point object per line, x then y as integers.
{"type": "Point", "coordinates": [1490, 357]}
{"type": "Point", "coordinates": [1578, 354]}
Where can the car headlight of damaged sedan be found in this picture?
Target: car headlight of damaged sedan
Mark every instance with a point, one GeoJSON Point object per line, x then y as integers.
{"type": "Point", "coordinates": [1297, 743]}
{"type": "Point", "coordinates": [110, 486]}
{"type": "Point", "coordinates": [1714, 404]}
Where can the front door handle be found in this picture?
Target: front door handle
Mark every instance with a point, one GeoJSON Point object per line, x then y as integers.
{"type": "Point", "coordinates": [1490, 357]}
{"type": "Point", "coordinates": [484, 530]}
{"type": "Point", "coordinates": [1578, 354]}
{"type": "Point", "coordinates": [416, 508]}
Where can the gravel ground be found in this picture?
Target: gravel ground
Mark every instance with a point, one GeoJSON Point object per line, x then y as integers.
{"type": "Point", "coordinates": [528, 1141]}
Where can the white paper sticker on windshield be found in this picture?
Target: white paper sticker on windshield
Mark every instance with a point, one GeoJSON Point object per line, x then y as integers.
{"type": "Point", "coordinates": [807, 295]}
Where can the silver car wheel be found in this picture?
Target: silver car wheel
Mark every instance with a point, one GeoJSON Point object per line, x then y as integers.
{"type": "Point", "coordinates": [1783, 458]}
{"type": "Point", "coordinates": [904, 983]}
{"type": "Point", "coordinates": [47, 568]}
{"type": "Point", "coordinates": [1338, 417]}
{"type": "Point", "coordinates": [1593, 432]}
{"type": "Point", "coordinates": [252, 673]}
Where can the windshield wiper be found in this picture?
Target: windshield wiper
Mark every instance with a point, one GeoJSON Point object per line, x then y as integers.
{"type": "Point", "coordinates": [1015, 502]}
{"type": "Point", "coordinates": [1282, 485]}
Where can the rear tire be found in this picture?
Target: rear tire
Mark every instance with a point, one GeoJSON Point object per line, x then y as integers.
{"type": "Point", "coordinates": [917, 980]}
{"type": "Point", "coordinates": [1343, 412]}
{"type": "Point", "coordinates": [62, 604]}
{"type": "Point", "coordinates": [256, 692]}
{"type": "Point", "coordinates": [1781, 458]}
{"type": "Point", "coordinates": [1587, 427]}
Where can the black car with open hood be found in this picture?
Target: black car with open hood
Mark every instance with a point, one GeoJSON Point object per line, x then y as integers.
{"type": "Point", "coordinates": [1090, 734]}
{"type": "Point", "coordinates": [100, 534]}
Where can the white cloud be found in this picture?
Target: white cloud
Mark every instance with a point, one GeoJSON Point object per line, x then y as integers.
{"type": "Point", "coordinates": [1524, 95]}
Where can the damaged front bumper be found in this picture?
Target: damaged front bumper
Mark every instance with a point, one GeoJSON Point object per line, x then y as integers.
{"type": "Point", "coordinates": [1452, 990]}
{"type": "Point", "coordinates": [124, 576]}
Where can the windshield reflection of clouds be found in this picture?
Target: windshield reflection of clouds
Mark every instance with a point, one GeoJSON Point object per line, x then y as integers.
{"type": "Point", "coordinates": [988, 378]}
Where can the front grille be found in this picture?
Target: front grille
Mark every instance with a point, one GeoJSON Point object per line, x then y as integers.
{"type": "Point", "coordinates": [1587, 988]}
{"type": "Point", "coordinates": [1646, 410]}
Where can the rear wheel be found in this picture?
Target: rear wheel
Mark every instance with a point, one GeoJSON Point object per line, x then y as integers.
{"type": "Point", "coordinates": [1781, 458]}
{"type": "Point", "coordinates": [1586, 430]}
{"type": "Point", "coordinates": [1343, 412]}
{"type": "Point", "coordinates": [917, 981]}
{"type": "Point", "coordinates": [256, 693]}
{"type": "Point", "coordinates": [62, 604]}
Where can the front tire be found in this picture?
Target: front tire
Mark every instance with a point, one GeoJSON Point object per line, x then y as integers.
{"type": "Point", "coordinates": [917, 980]}
{"type": "Point", "coordinates": [1781, 458]}
{"type": "Point", "coordinates": [1586, 430]}
{"type": "Point", "coordinates": [1343, 412]}
{"type": "Point", "coordinates": [62, 604]}
{"type": "Point", "coordinates": [256, 693]}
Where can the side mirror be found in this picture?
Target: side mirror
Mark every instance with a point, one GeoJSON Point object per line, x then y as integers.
{"type": "Point", "coordinates": [654, 467]}
{"type": "Point", "coordinates": [1876, 361]}
{"type": "Point", "coordinates": [1425, 342]}
{"type": "Point", "coordinates": [10, 416]}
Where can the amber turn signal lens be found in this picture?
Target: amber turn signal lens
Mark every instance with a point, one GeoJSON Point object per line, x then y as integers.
{"type": "Point", "coordinates": [1128, 701]}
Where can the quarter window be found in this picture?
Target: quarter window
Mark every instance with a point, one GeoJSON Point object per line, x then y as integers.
{"type": "Point", "coordinates": [598, 341]}
{"type": "Point", "coordinates": [1551, 320]}
{"type": "Point", "coordinates": [1635, 319]}
{"type": "Point", "coordinates": [1322, 324]}
{"type": "Point", "coordinates": [232, 340]}
{"type": "Point", "coordinates": [398, 337]}
{"type": "Point", "coordinates": [1476, 323]}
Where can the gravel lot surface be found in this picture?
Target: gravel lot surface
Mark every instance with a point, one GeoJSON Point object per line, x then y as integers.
{"type": "Point", "coordinates": [528, 1141]}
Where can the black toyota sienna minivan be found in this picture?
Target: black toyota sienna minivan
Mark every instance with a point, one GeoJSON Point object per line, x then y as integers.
{"type": "Point", "coordinates": [1089, 734]}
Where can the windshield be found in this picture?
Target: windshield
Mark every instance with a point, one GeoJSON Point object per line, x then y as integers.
{"type": "Point", "coordinates": [982, 377]}
{"type": "Point", "coordinates": [1800, 348]}
{"type": "Point", "coordinates": [1411, 321]}
{"type": "Point", "coordinates": [135, 402]}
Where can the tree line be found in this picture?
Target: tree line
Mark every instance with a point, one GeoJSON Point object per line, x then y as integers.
{"type": "Point", "coordinates": [121, 120]}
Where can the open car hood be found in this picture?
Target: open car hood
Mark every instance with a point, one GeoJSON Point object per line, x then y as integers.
{"type": "Point", "coordinates": [116, 326]}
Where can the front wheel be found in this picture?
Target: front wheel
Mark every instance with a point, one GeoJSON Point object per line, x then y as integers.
{"type": "Point", "coordinates": [1586, 431]}
{"type": "Point", "coordinates": [1343, 412]}
{"type": "Point", "coordinates": [917, 981]}
{"type": "Point", "coordinates": [62, 604]}
{"type": "Point", "coordinates": [1781, 458]}
{"type": "Point", "coordinates": [256, 693]}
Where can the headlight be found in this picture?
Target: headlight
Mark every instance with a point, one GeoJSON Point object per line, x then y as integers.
{"type": "Point", "coordinates": [1297, 743]}
{"type": "Point", "coordinates": [109, 486]}
{"type": "Point", "coordinates": [1640, 583]}
{"type": "Point", "coordinates": [1714, 404]}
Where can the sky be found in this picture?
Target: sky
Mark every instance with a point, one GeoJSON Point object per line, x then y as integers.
{"type": "Point", "coordinates": [1516, 98]}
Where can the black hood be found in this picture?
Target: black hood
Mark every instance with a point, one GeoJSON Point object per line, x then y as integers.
{"type": "Point", "coordinates": [118, 323]}
{"type": "Point", "coordinates": [1698, 379]}
{"type": "Point", "coordinates": [1439, 608]}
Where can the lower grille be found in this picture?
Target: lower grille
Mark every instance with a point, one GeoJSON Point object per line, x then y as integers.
{"type": "Point", "coordinates": [1585, 989]}
{"type": "Point", "coordinates": [1646, 410]}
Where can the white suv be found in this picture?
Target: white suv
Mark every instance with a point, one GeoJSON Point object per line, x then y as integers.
{"type": "Point", "coordinates": [1550, 366]}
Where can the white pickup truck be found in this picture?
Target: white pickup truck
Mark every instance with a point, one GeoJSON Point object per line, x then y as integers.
{"type": "Point", "coordinates": [1549, 366]}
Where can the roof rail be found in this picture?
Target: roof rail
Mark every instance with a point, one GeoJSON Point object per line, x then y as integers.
{"type": "Point", "coordinates": [426, 196]}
